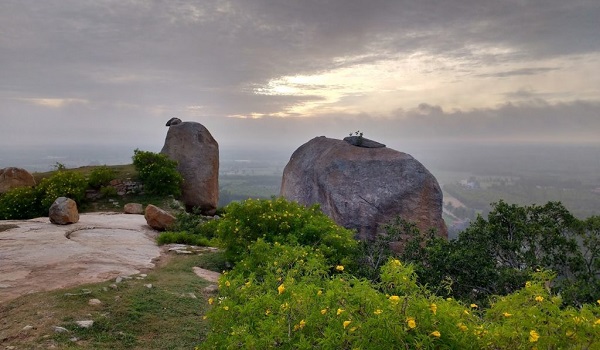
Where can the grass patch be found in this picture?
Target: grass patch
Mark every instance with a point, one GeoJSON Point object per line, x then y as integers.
{"type": "Point", "coordinates": [131, 316]}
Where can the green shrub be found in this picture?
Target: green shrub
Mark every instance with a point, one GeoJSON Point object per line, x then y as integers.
{"type": "Point", "coordinates": [101, 176]}
{"type": "Point", "coordinates": [158, 173]}
{"type": "Point", "coordinates": [182, 238]}
{"type": "Point", "coordinates": [20, 203]}
{"type": "Point", "coordinates": [108, 191]}
{"type": "Point", "coordinates": [278, 220]}
{"type": "Point", "coordinates": [62, 184]}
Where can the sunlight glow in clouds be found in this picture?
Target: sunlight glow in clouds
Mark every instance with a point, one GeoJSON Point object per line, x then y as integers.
{"type": "Point", "coordinates": [54, 102]}
{"type": "Point", "coordinates": [455, 82]}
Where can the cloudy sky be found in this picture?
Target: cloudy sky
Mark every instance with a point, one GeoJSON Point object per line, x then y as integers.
{"type": "Point", "coordinates": [269, 72]}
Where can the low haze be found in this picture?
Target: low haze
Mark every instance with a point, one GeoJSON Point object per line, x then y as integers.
{"type": "Point", "coordinates": [273, 73]}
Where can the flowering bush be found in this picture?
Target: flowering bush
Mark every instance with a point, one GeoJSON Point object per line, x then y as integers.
{"type": "Point", "coordinates": [20, 203]}
{"type": "Point", "coordinates": [62, 184]}
{"type": "Point", "coordinates": [278, 220]}
{"type": "Point", "coordinates": [292, 297]}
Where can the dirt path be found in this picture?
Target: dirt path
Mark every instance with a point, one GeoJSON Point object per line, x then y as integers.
{"type": "Point", "coordinates": [39, 256]}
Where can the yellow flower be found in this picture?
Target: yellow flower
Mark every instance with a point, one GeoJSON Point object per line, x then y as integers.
{"type": "Point", "coordinates": [248, 283]}
{"type": "Point", "coordinates": [466, 312]}
{"type": "Point", "coordinates": [227, 283]}
{"type": "Point", "coordinates": [211, 301]}
{"type": "Point", "coordinates": [267, 312]}
{"type": "Point", "coordinates": [533, 336]}
{"type": "Point", "coordinates": [597, 322]}
{"type": "Point", "coordinates": [436, 334]}
{"type": "Point", "coordinates": [323, 311]}
{"type": "Point", "coordinates": [433, 308]}
{"type": "Point", "coordinates": [394, 299]}
{"type": "Point", "coordinates": [339, 268]}
{"type": "Point", "coordinates": [411, 322]}
{"type": "Point", "coordinates": [598, 301]}
{"type": "Point", "coordinates": [377, 312]}
{"type": "Point", "coordinates": [396, 262]}
{"type": "Point", "coordinates": [225, 308]}
{"type": "Point", "coordinates": [284, 306]}
{"type": "Point", "coordinates": [346, 323]}
{"type": "Point", "coordinates": [300, 325]}
{"type": "Point", "coordinates": [319, 292]}
{"type": "Point", "coordinates": [474, 306]}
{"type": "Point", "coordinates": [281, 288]}
{"type": "Point", "coordinates": [527, 284]}
{"type": "Point", "coordinates": [462, 327]}
{"type": "Point", "coordinates": [339, 311]}
{"type": "Point", "coordinates": [539, 298]}
{"type": "Point", "coordinates": [506, 314]}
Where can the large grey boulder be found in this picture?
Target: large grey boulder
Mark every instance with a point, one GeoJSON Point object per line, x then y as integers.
{"type": "Point", "coordinates": [15, 177]}
{"type": "Point", "coordinates": [362, 188]}
{"type": "Point", "coordinates": [63, 211]}
{"type": "Point", "coordinates": [197, 155]}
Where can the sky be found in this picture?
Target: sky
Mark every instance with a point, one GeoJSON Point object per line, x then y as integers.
{"type": "Point", "coordinates": [278, 73]}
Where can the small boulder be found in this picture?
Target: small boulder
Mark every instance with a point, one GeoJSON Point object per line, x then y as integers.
{"type": "Point", "coordinates": [15, 177]}
{"type": "Point", "coordinates": [133, 208]}
{"type": "Point", "coordinates": [157, 218]}
{"type": "Point", "coordinates": [63, 211]}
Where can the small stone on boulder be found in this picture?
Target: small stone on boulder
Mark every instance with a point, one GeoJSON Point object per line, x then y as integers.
{"type": "Point", "coordinates": [173, 121]}
{"type": "Point", "coordinates": [133, 208]}
{"type": "Point", "coordinates": [63, 211]}
{"type": "Point", "coordinates": [360, 141]}
{"type": "Point", "coordinates": [15, 177]}
{"type": "Point", "coordinates": [157, 218]}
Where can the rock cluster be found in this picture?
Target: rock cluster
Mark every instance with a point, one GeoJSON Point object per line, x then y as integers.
{"type": "Point", "coordinates": [15, 177]}
{"type": "Point", "coordinates": [63, 211]}
{"type": "Point", "coordinates": [197, 156]}
{"type": "Point", "coordinates": [362, 188]}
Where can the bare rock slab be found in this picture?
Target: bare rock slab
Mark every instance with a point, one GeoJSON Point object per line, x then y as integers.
{"type": "Point", "coordinates": [39, 256]}
{"type": "Point", "coordinates": [363, 187]}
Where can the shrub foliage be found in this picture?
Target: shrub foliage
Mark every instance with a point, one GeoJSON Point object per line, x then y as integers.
{"type": "Point", "coordinates": [20, 203]}
{"type": "Point", "coordinates": [278, 220]}
{"type": "Point", "coordinates": [158, 173]}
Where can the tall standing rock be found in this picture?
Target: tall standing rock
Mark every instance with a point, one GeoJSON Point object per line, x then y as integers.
{"type": "Point", "coordinates": [15, 177]}
{"type": "Point", "coordinates": [363, 185]}
{"type": "Point", "coordinates": [197, 155]}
